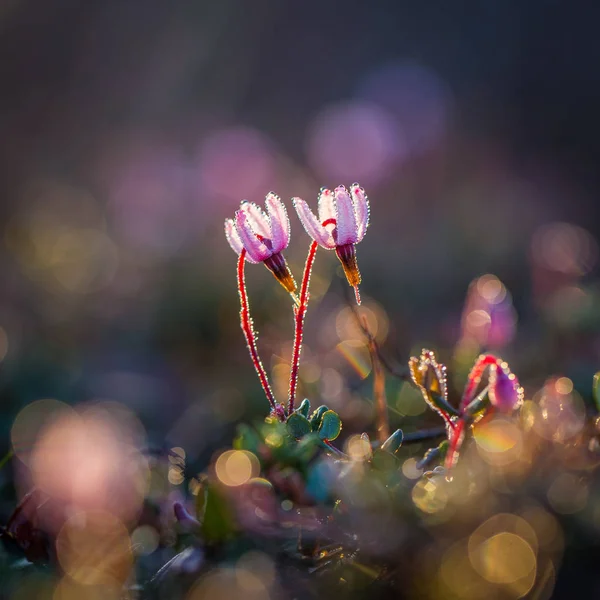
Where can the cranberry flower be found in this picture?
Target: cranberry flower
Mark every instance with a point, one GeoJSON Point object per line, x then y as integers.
{"type": "Point", "coordinates": [341, 223]}
{"type": "Point", "coordinates": [263, 237]}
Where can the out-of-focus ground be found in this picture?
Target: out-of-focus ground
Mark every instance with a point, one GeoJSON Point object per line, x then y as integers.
{"type": "Point", "coordinates": [130, 130]}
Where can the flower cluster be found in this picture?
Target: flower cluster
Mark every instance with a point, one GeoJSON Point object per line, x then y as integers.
{"type": "Point", "coordinates": [259, 236]}
{"type": "Point", "coordinates": [503, 394]}
{"type": "Point", "coordinates": [342, 221]}
{"type": "Point", "coordinates": [339, 224]}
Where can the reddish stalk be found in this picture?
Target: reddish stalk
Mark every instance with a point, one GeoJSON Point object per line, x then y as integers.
{"type": "Point", "coordinates": [485, 360]}
{"type": "Point", "coordinates": [246, 323]}
{"type": "Point", "coordinates": [457, 436]}
{"type": "Point", "coordinates": [299, 314]}
{"type": "Point", "coordinates": [381, 408]}
{"type": "Point", "coordinates": [447, 418]}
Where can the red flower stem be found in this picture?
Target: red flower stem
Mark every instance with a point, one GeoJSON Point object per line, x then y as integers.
{"type": "Point", "coordinates": [299, 315]}
{"type": "Point", "coordinates": [475, 375]}
{"type": "Point", "coordinates": [246, 323]}
{"type": "Point", "coordinates": [447, 419]}
{"type": "Point", "coordinates": [456, 439]}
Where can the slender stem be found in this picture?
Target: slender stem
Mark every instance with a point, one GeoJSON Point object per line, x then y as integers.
{"type": "Point", "coordinates": [424, 435]}
{"type": "Point", "coordinates": [246, 323]}
{"type": "Point", "coordinates": [475, 375]}
{"type": "Point", "coordinates": [398, 372]}
{"type": "Point", "coordinates": [299, 314]}
{"type": "Point", "coordinates": [457, 436]}
{"type": "Point", "coordinates": [381, 408]}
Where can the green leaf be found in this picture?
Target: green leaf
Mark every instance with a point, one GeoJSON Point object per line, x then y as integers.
{"type": "Point", "coordinates": [315, 419]}
{"type": "Point", "coordinates": [394, 442]}
{"type": "Point", "coordinates": [596, 390]}
{"type": "Point", "coordinates": [331, 425]}
{"type": "Point", "coordinates": [307, 447]}
{"type": "Point", "coordinates": [298, 425]}
{"type": "Point", "coordinates": [304, 408]}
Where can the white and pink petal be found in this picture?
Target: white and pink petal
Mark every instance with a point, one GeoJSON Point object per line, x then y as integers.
{"type": "Point", "coordinates": [311, 224]}
{"type": "Point", "coordinates": [361, 210]}
{"type": "Point", "coordinates": [327, 207]}
{"type": "Point", "coordinates": [256, 249]}
{"type": "Point", "coordinates": [347, 230]}
{"type": "Point", "coordinates": [257, 219]}
{"type": "Point", "coordinates": [279, 221]}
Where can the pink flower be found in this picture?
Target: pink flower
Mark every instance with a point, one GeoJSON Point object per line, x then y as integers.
{"type": "Point", "coordinates": [342, 222]}
{"type": "Point", "coordinates": [505, 392]}
{"type": "Point", "coordinates": [263, 236]}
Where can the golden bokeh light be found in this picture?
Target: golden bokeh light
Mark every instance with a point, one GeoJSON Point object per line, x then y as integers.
{"type": "Point", "coordinates": [456, 574]}
{"type": "Point", "coordinates": [93, 548]}
{"type": "Point", "coordinates": [348, 328]}
{"type": "Point", "coordinates": [505, 558]}
{"type": "Point", "coordinates": [430, 495]}
{"type": "Point", "coordinates": [563, 385]}
{"type": "Point", "coordinates": [503, 551]}
{"type": "Point", "coordinates": [358, 448]}
{"type": "Point", "coordinates": [547, 528]}
{"type": "Point", "coordinates": [499, 441]}
{"type": "Point", "coordinates": [236, 467]}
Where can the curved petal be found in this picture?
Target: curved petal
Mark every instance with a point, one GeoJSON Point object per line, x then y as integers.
{"type": "Point", "coordinates": [505, 392]}
{"type": "Point", "coordinates": [316, 231]}
{"type": "Point", "coordinates": [256, 250]}
{"type": "Point", "coordinates": [280, 223]}
{"type": "Point", "coordinates": [327, 206]}
{"type": "Point", "coordinates": [233, 237]}
{"type": "Point", "coordinates": [257, 219]}
{"type": "Point", "coordinates": [361, 210]}
{"type": "Point", "coordinates": [347, 231]}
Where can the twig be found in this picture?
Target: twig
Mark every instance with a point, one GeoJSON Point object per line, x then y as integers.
{"type": "Point", "coordinates": [397, 372]}
{"type": "Point", "coordinates": [381, 408]}
{"type": "Point", "coordinates": [424, 435]}
{"type": "Point", "coordinates": [300, 313]}
{"type": "Point", "coordinates": [246, 324]}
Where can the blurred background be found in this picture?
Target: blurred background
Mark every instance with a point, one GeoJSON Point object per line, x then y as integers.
{"type": "Point", "coordinates": [130, 130]}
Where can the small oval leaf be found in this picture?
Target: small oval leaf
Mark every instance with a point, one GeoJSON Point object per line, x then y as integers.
{"type": "Point", "coordinates": [298, 425]}
{"type": "Point", "coordinates": [394, 442]}
{"type": "Point", "coordinates": [315, 419]}
{"type": "Point", "coordinates": [304, 408]}
{"type": "Point", "coordinates": [331, 425]}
